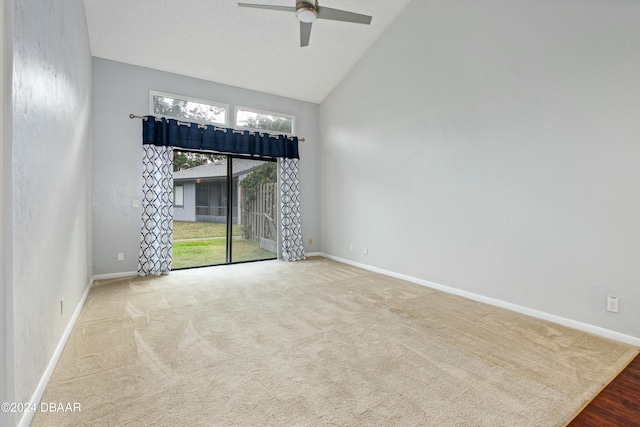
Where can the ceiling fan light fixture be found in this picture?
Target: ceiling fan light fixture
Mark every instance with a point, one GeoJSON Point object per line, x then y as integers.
{"type": "Point", "coordinates": [307, 11]}
{"type": "Point", "coordinates": [306, 14]}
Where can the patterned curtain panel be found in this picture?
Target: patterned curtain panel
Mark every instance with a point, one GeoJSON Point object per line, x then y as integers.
{"type": "Point", "coordinates": [157, 211]}
{"type": "Point", "coordinates": [292, 246]}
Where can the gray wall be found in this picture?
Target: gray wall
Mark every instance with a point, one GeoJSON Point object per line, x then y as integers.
{"type": "Point", "coordinates": [6, 295]}
{"type": "Point", "coordinates": [120, 89]}
{"type": "Point", "coordinates": [51, 175]}
{"type": "Point", "coordinates": [492, 146]}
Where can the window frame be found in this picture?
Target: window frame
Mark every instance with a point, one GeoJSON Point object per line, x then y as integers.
{"type": "Point", "coordinates": [153, 93]}
{"type": "Point", "coordinates": [259, 111]}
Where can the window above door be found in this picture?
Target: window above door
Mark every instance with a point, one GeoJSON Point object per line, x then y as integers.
{"type": "Point", "coordinates": [187, 108]}
{"type": "Point", "coordinates": [250, 118]}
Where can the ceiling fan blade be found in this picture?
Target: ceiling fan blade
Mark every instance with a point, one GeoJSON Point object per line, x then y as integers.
{"type": "Point", "coordinates": [343, 15]}
{"type": "Point", "coordinates": [268, 6]}
{"type": "Point", "coordinates": [305, 33]}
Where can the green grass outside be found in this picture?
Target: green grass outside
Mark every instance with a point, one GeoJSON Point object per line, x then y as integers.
{"type": "Point", "coordinates": [199, 230]}
{"type": "Point", "coordinates": [210, 246]}
{"type": "Point", "coordinates": [195, 253]}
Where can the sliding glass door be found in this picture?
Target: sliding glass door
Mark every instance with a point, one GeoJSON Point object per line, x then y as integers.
{"type": "Point", "coordinates": [199, 209]}
{"type": "Point", "coordinates": [224, 209]}
{"type": "Point", "coordinates": [254, 187]}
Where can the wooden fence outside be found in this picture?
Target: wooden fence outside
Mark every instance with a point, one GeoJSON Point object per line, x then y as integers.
{"type": "Point", "coordinates": [259, 214]}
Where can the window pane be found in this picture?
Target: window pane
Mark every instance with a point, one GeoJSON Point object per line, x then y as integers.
{"type": "Point", "coordinates": [200, 225]}
{"type": "Point", "coordinates": [264, 121]}
{"type": "Point", "coordinates": [189, 110]}
{"type": "Point", "coordinates": [255, 210]}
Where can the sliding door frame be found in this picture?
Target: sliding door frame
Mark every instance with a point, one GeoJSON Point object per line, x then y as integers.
{"type": "Point", "coordinates": [229, 208]}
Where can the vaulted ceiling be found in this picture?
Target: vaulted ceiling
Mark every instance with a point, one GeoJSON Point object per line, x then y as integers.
{"type": "Point", "coordinates": [252, 48]}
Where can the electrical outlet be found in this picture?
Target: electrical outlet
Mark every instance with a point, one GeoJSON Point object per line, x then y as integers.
{"type": "Point", "coordinates": [120, 256]}
{"type": "Point", "coordinates": [350, 248]}
{"type": "Point", "coordinates": [366, 250]}
{"type": "Point", "coordinates": [612, 305]}
{"type": "Point", "coordinates": [135, 204]}
{"type": "Point", "coordinates": [310, 242]}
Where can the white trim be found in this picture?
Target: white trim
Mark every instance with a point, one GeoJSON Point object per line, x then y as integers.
{"type": "Point", "coordinates": [585, 327]}
{"type": "Point", "coordinates": [308, 254]}
{"type": "Point", "coordinates": [46, 376]}
{"type": "Point", "coordinates": [114, 275]}
{"type": "Point", "coordinates": [227, 108]}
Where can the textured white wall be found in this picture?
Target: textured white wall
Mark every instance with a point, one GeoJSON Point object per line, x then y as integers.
{"type": "Point", "coordinates": [120, 89]}
{"type": "Point", "coordinates": [6, 297]}
{"type": "Point", "coordinates": [51, 178]}
{"type": "Point", "coordinates": [492, 146]}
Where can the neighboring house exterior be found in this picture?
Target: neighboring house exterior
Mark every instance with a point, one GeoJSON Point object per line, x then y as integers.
{"type": "Point", "coordinates": [200, 193]}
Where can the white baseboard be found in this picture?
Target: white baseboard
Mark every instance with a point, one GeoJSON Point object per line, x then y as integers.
{"type": "Point", "coordinates": [310, 254]}
{"type": "Point", "coordinates": [34, 402]}
{"type": "Point", "coordinates": [114, 275]}
{"type": "Point", "coordinates": [581, 326]}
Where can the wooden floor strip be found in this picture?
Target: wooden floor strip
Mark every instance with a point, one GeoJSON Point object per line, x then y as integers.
{"type": "Point", "coordinates": [617, 405]}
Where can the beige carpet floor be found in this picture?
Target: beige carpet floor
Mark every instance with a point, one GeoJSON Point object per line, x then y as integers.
{"type": "Point", "coordinates": [316, 343]}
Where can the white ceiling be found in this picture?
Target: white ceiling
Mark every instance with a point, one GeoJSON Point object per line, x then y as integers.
{"type": "Point", "coordinates": [252, 48]}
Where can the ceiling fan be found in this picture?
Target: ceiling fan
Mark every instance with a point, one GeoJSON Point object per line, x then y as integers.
{"type": "Point", "coordinates": [307, 13]}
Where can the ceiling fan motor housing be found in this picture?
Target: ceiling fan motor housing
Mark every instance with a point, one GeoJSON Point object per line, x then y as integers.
{"type": "Point", "coordinates": [306, 12]}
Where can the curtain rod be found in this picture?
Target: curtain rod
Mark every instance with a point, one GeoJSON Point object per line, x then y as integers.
{"type": "Point", "coordinates": [133, 116]}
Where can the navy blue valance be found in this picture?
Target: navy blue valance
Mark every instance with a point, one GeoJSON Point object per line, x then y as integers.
{"type": "Point", "coordinates": [194, 136]}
